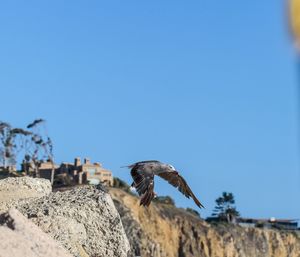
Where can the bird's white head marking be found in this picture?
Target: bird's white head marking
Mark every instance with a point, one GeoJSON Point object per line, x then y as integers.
{"type": "Point", "coordinates": [132, 189]}
{"type": "Point", "coordinates": [171, 167]}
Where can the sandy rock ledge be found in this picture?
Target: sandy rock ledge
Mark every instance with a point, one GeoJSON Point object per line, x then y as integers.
{"type": "Point", "coordinates": [83, 220]}
{"type": "Point", "coordinates": [21, 238]}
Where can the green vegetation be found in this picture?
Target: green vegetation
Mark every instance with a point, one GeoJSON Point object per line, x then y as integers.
{"type": "Point", "coordinates": [30, 143]}
{"type": "Point", "coordinates": [63, 180]}
{"type": "Point", "coordinates": [225, 209]}
{"type": "Point", "coordinates": [192, 211]}
{"type": "Point", "coordinates": [119, 183]}
{"type": "Point", "coordinates": [164, 199]}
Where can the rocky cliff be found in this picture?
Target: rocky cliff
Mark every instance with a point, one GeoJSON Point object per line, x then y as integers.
{"type": "Point", "coordinates": [166, 231]}
{"type": "Point", "coordinates": [83, 220]}
{"type": "Point", "coordinates": [86, 223]}
{"type": "Point", "coordinates": [21, 238]}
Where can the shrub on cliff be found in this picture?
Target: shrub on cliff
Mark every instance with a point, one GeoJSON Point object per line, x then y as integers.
{"type": "Point", "coordinates": [119, 183]}
{"type": "Point", "coordinates": [192, 211]}
{"type": "Point", "coordinates": [63, 180]}
{"type": "Point", "coordinates": [165, 199]}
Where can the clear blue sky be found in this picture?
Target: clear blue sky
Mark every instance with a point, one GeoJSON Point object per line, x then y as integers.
{"type": "Point", "coordinates": [208, 86]}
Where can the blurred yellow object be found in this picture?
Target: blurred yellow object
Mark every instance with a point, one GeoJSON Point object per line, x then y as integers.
{"type": "Point", "coordinates": [295, 20]}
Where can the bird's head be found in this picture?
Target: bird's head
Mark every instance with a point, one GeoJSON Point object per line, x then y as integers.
{"type": "Point", "coordinates": [170, 168]}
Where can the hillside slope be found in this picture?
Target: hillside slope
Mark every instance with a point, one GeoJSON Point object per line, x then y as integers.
{"type": "Point", "coordinates": [166, 231]}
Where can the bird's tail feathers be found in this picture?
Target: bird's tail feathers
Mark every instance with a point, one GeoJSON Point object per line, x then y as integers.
{"type": "Point", "coordinates": [128, 166]}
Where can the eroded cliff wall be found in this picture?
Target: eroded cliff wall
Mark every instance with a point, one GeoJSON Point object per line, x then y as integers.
{"type": "Point", "coordinates": [166, 231]}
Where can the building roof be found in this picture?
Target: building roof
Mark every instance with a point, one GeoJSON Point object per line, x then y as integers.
{"type": "Point", "coordinates": [266, 220]}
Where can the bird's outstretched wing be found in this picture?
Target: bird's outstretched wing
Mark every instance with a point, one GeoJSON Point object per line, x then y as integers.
{"type": "Point", "coordinates": [144, 184]}
{"type": "Point", "coordinates": [179, 182]}
{"type": "Point", "coordinates": [139, 165]}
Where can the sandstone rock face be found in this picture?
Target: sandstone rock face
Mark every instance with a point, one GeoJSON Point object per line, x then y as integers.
{"type": "Point", "coordinates": [12, 189]}
{"type": "Point", "coordinates": [165, 231]}
{"type": "Point", "coordinates": [21, 238]}
{"type": "Point", "coordinates": [84, 220]}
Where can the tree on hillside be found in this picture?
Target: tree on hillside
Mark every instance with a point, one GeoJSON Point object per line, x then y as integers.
{"type": "Point", "coordinates": [11, 143]}
{"type": "Point", "coordinates": [39, 147]}
{"type": "Point", "coordinates": [34, 144]}
{"type": "Point", "coordinates": [225, 208]}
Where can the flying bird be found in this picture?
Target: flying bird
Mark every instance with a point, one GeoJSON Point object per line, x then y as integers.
{"type": "Point", "coordinates": [143, 180]}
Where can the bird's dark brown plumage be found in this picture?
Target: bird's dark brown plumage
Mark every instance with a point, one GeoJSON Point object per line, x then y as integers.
{"type": "Point", "coordinates": [143, 180]}
{"type": "Point", "coordinates": [179, 182]}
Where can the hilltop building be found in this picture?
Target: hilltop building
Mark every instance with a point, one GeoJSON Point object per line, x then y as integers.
{"type": "Point", "coordinates": [41, 169]}
{"type": "Point", "coordinates": [285, 224]}
{"type": "Point", "coordinates": [87, 171]}
{"type": "Point", "coordinates": [77, 172]}
{"type": "Point", "coordinates": [10, 168]}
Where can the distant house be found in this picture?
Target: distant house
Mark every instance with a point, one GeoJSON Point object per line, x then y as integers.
{"type": "Point", "coordinates": [41, 169]}
{"type": "Point", "coordinates": [79, 173]}
{"type": "Point", "coordinates": [8, 168]}
{"type": "Point", "coordinates": [285, 224]}
{"type": "Point", "coordinates": [8, 171]}
{"type": "Point", "coordinates": [94, 173]}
